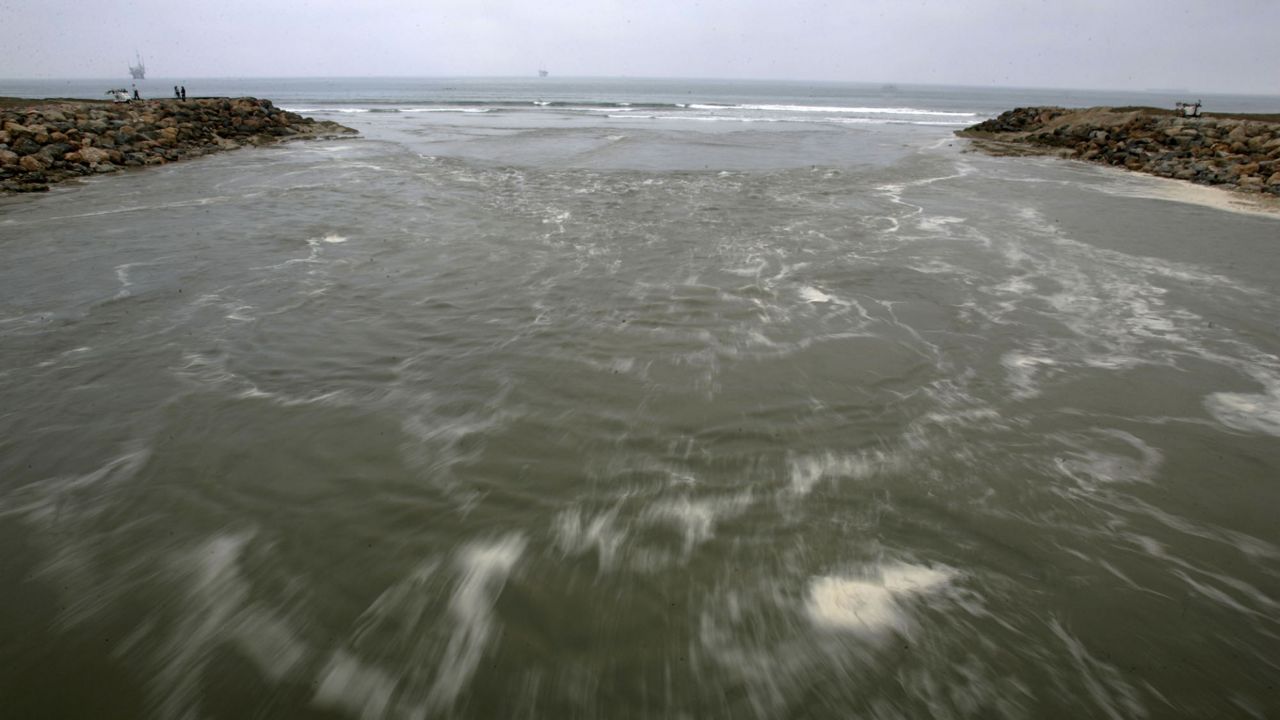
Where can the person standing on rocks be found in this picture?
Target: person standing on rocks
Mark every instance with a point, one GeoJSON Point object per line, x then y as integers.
{"type": "Point", "coordinates": [136, 96]}
{"type": "Point", "coordinates": [184, 92]}
{"type": "Point", "coordinates": [176, 96]}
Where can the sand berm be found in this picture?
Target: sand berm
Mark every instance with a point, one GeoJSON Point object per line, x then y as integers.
{"type": "Point", "coordinates": [48, 141]}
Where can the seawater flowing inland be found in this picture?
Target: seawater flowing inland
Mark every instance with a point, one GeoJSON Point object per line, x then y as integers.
{"type": "Point", "coordinates": [639, 399]}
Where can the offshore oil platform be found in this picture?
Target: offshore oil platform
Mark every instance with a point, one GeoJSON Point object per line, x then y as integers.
{"type": "Point", "coordinates": [139, 71]}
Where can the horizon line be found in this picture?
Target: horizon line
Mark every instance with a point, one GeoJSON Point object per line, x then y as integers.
{"type": "Point", "coordinates": [555, 78]}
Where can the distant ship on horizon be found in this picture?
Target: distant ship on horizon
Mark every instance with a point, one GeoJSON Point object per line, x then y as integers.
{"type": "Point", "coordinates": [139, 71]}
{"type": "Point", "coordinates": [542, 73]}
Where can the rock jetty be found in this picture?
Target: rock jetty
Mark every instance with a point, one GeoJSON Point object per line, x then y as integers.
{"type": "Point", "coordinates": [1238, 151]}
{"type": "Point", "coordinates": [47, 141]}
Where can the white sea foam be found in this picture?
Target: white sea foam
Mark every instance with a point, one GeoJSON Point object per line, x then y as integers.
{"type": "Point", "coordinates": [347, 684]}
{"type": "Point", "coordinates": [696, 519]}
{"type": "Point", "coordinates": [938, 223]}
{"type": "Point", "coordinates": [756, 119]}
{"type": "Point", "coordinates": [834, 109]}
{"type": "Point", "coordinates": [269, 643]}
{"type": "Point", "coordinates": [1089, 464]}
{"type": "Point", "coordinates": [333, 238]}
{"type": "Point", "coordinates": [1180, 191]}
{"type": "Point", "coordinates": [578, 534]}
{"type": "Point", "coordinates": [814, 295]}
{"type": "Point", "coordinates": [446, 110]}
{"type": "Point", "coordinates": [943, 123]}
{"type": "Point", "coordinates": [807, 471]}
{"type": "Point", "coordinates": [216, 608]}
{"type": "Point", "coordinates": [240, 313]}
{"type": "Point", "coordinates": [326, 109]}
{"type": "Point", "coordinates": [485, 567]}
{"type": "Point", "coordinates": [1248, 412]}
{"type": "Point", "coordinates": [1023, 369]}
{"type": "Point", "coordinates": [872, 605]}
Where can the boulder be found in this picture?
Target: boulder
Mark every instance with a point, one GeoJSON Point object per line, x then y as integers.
{"type": "Point", "coordinates": [92, 155]}
{"type": "Point", "coordinates": [24, 145]}
{"type": "Point", "coordinates": [54, 151]}
{"type": "Point", "coordinates": [41, 144]}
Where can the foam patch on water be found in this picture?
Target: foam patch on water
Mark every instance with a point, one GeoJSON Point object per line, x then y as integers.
{"type": "Point", "coordinates": [216, 608]}
{"type": "Point", "coordinates": [874, 605]}
{"type": "Point", "coordinates": [938, 223]}
{"type": "Point", "coordinates": [577, 535]}
{"type": "Point", "coordinates": [334, 238]}
{"type": "Point", "coordinates": [346, 683]}
{"type": "Point", "coordinates": [814, 295]}
{"type": "Point", "coordinates": [405, 628]}
{"type": "Point", "coordinates": [807, 471]}
{"type": "Point", "coordinates": [1089, 465]}
{"type": "Point", "coordinates": [696, 519]}
{"type": "Point", "coordinates": [485, 568]}
{"type": "Point", "coordinates": [1252, 413]}
{"type": "Point", "coordinates": [1023, 369]}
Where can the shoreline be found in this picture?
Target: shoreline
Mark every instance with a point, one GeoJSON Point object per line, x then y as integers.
{"type": "Point", "coordinates": [49, 141]}
{"type": "Point", "coordinates": [1216, 197]}
{"type": "Point", "coordinates": [1237, 155]}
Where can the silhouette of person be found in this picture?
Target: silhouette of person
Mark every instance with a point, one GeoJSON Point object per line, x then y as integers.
{"type": "Point", "coordinates": [136, 96]}
{"type": "Point", "coordinates": [175, 92]}
{"type": "Point", "coordinates": [184, 92]}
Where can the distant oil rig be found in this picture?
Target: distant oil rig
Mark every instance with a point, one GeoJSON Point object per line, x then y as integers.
{"type": "Point", "coordinates": [139, 71]}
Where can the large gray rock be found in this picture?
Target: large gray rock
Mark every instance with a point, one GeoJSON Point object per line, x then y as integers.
{"type": "Point", "coordinates": [25, 145]}
{"type": "Point", "coordinates": [83, 138]}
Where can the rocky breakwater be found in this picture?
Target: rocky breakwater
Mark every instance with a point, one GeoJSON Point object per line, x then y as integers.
{"type": "Point", "coordinates": [1238, 151]}
{"type": "Point", "coordinates": [44, 142]}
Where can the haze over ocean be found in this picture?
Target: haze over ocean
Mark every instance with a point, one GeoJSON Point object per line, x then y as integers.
{"type": "Point", "coordinates": [637, 398]}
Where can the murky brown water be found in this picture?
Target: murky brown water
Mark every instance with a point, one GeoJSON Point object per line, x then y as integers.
{"type": "Point", "coordinates": [444, 422]}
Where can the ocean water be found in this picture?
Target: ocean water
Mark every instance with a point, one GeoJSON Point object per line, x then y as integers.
{"type": "Point", "coordinates": [633, 399]}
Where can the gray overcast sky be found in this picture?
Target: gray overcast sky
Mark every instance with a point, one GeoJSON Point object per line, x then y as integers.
{"type": "Point", "coordinates": [1222, 45]}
